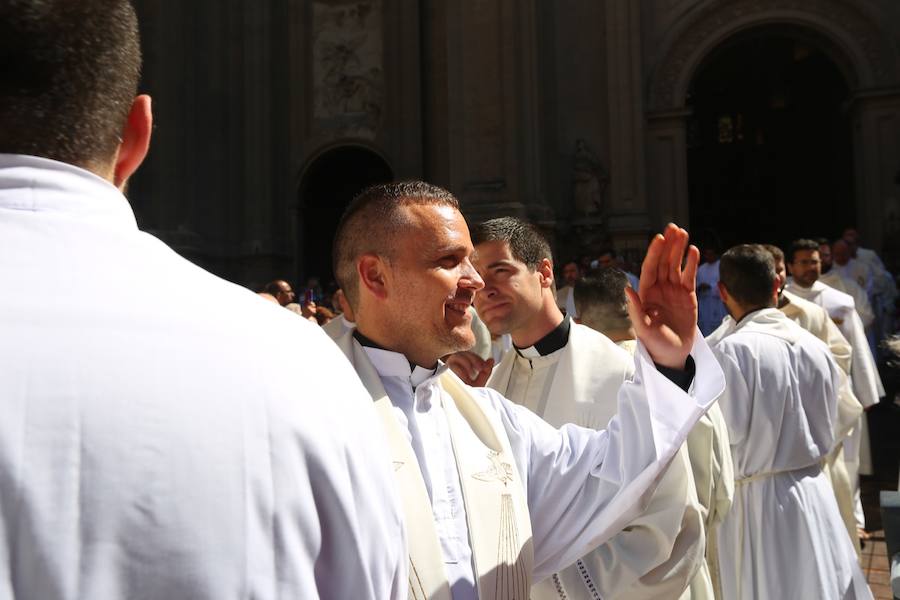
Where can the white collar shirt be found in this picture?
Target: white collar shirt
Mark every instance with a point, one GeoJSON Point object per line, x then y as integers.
{"type": "Point", "coordinates": [415, 394]}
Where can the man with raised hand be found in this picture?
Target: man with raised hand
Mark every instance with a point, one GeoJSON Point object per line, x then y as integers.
{"type": "Point", "coordinates": [497, 497]}
{"type": "Point", "coordinates": [154, 444]}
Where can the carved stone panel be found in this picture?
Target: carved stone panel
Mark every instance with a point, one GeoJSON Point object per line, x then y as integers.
{"type": "Point", "coordinates": [348, 68]}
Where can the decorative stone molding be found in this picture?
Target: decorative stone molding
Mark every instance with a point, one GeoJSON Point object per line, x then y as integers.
{"type": "Point", "coordinates": [866, 46]}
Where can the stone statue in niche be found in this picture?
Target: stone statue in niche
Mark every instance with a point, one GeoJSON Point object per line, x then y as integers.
{"type": "Point", "coordinates": [590, 180]}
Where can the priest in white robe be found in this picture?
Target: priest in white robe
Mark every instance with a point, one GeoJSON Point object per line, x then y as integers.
{"type": "Point", "coordinates": [815, 319]}
{"type": "Point", "coordinates": [780, 405]}
{"type": "Point", "coordinates": [498, 498]}
{"type": "Point", "coordinates": [568, 373]}
{"type": "Point", "coordinates": [864, 378]}
{"type": "Point", "coordinates": [164, 434]}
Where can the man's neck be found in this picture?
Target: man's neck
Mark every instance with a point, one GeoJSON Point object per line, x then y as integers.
{"type": "Point", "coordinates": [621, 335]}
{"type": "Point", "coordinates": [370, 341]}
{"type": "Point", "coordinates": [542, 323]}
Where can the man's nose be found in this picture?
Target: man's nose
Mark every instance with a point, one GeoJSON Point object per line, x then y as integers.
{"type": "Point", "coordinates": [469, 278]}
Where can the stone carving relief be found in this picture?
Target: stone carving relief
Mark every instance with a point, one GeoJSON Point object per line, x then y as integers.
{"type": "Point", "coordinates": [348, 73]}
{"type": "Point", "coordinates": [846, 21]}
{"type": "Point", "coordinates": [590, 180]}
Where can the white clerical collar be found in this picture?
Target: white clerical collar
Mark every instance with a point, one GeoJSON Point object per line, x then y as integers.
{"type": "Point", "coordinates": [43, 185]}
{"type": "Point", "coordinates": [394, 364]}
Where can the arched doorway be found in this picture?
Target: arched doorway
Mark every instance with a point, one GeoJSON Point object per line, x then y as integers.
{"type": "Point", "coordinates": [769, 146]}
{"type": "Point", "coordinates": [327, 186]}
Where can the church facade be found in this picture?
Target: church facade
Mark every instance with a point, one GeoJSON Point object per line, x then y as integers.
{"type": "Point", "coordinates": [599, 121]}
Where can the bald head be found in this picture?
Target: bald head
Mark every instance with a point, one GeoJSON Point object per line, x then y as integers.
{"type": "Point", "coordinates": [372, 221]}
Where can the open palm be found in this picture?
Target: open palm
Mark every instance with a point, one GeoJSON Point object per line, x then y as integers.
{"type": "Point", "coordinates": [664, 312]}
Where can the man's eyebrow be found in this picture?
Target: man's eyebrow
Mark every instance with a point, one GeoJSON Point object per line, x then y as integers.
{"type": "Point", "coordinates": [499, 263]}
{"type": "Point", "coordinates": [454, 249]}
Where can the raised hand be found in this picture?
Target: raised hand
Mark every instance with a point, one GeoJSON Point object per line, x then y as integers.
{"type": "Point", "coordinates": [664, 312]}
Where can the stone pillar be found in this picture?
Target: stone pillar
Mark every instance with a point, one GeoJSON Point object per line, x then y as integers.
{"type": "Point", "coordinates": [481, 124]}
{"type": "Point", "coordinates": [876, 141]}
{"type": "Point", "coordinates": [667, 158]}
{"type": "Point", "coordinates": [627, 211]}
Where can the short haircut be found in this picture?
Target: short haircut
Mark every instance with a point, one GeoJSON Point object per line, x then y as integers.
{"type": "Point", "coordinates": [274, 287]}
{"type": "Point", "coordinates": [748, 273]}
{"type": "Point", "coordinates": [611, 251]}
{"type": "Point", "coordinates": [775, 251]}
{"type": "Point", "coordinates": [370, 223]}
{"type": "Point", "coordinates": [600, 300]}
{"type": "Point", "coordinates": [803, 244]}
{"type": "Point", "coordinates": [526, 243]}
{"type": "Point", "coordinates": [70, 74]}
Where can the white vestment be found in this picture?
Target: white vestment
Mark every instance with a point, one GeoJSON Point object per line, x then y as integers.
{"type": "Point", "coordinates": [784, 537]}
{"type": "Point", "coordinates": [856, 271]}
{"type": "Point", "coordinates": [864, 376]}
{"type": "Point", "coordinates": [582, 486]}
{"type": "Point", "coordinates": [858, 293]}
{"type": "Point", "coordinates": [662, 549]}
{"type": "Point", "coordinates": [338, 326]}
{"type": "Point", "coordinates": [710, 310]}
{"type": "Point", "coordinates": [165, 433]}
{"type": "Point", "coordinates": [815, 320]}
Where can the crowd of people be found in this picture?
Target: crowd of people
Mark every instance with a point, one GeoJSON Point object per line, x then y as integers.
{"type": "Point", "coordinates": [465, 430]}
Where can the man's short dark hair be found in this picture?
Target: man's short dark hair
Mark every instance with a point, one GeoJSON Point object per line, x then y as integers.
{"type": "Point", "coordinates": [526, 243]}
{"type": "Point", "coordinates": [748, 273]}
{"type": "Point", "coordinates": [802, 245]}
{"type": "Point", "coordinates": [69, 72]}
{"type": "Point", "coordinates": [775, 251]}
{"type": "Point", "coordinates": [600, 299]}
{"type": "Point", "coordinates": [370, 223]}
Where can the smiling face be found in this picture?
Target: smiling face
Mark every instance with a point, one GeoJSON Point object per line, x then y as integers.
{"type": "Point", "coordinates": [431, 284]}
{"type": "Point", "coordinates": [512, 293]}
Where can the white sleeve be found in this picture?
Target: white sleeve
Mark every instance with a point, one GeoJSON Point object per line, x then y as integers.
{"type": "Point", "coordinates": [585, 486]}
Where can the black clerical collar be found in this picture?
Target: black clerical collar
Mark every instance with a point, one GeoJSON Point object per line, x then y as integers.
{"type": "Point", "coordinates": [550, 343]}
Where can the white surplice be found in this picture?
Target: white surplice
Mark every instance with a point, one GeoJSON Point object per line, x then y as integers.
{"type": "Point", "coordinates": [662, 549]}
{"type": "Point", "coordinates": [167, 434]}
{"type": "Point", "coordinates": [582, 486]}
{"type": "Point", "coordinates": [784, 537]}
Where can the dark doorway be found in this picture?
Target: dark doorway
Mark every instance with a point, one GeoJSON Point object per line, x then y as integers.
{"type": "Point", "coordinates": [328, 186]}
{"type": "Point", "coordinates": [769, 142]}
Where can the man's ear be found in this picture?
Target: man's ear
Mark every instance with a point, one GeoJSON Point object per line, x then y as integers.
{"type": "Point", "coordinates": [372, 270]}
{"type": "Point", "coordinates": [135, 140]}
{"type": "Point", "coordinates": [723, 292]}
{"type": "Point", "coordinates": [545, 269]}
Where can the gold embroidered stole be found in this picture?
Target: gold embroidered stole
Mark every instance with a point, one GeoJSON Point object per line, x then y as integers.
{"type": "Point", "coordinates": [496, 506]}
